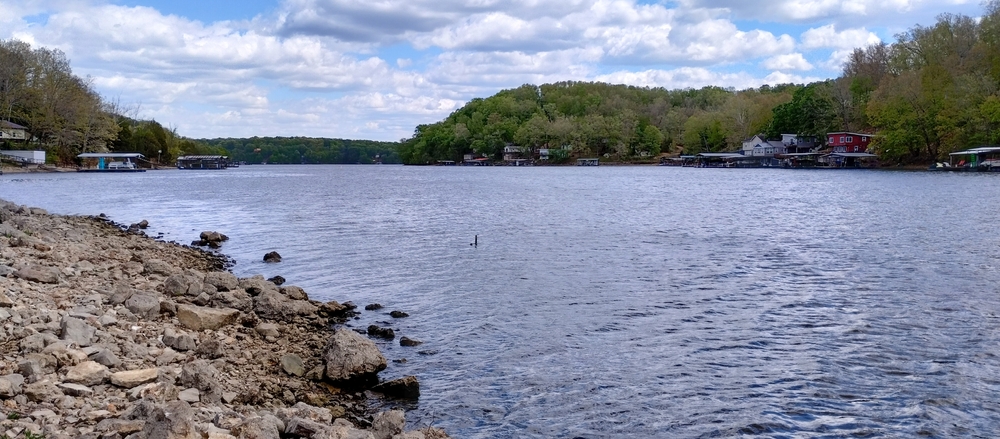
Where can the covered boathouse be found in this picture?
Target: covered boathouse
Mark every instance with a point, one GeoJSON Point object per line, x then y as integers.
{"type": "Point", "coordinates": [111, 162]}
{"type": "Point", "coordinates": [203, 162]}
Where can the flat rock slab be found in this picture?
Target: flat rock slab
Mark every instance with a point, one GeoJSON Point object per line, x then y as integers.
{"type": "Point", "coordinates": [38, 273]}
{"type": "Point", "coordinates": [198, 318]}
{"type": "Point", "coordinates": [73, 389]}
{"type": "Point", "coordinates": [131, 378]}
{"type": "Point", "coordinates": [88, 373]}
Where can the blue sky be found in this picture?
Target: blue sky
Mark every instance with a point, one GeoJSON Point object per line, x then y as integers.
{"type": "Point", "coordinates": [376, 69]}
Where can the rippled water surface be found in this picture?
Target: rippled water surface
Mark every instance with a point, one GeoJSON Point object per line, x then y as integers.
{"type": "Point", "coordinates": [626, 301]}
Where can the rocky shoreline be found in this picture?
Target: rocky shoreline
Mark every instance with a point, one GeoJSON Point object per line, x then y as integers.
{"type": "Point", "coordinates": [106, 333]}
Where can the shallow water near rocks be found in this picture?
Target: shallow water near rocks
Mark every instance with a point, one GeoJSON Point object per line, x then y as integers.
{"type": "Point", "coordinates": [625, 301]}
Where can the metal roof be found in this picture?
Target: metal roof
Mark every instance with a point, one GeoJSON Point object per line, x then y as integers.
{"type": "Point", "coordinates": [723, 155]}
{"type": "Point", "coordinates": [201, 157]}
{"type": "Point", "coordinates": [852, 154]}
{"type": "Point", "coordinates": [977, 151]}
{"type": "Point", "coordinates": [110, 155]}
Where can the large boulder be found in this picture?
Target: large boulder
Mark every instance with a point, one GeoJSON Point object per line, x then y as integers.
{"type": "Point", "coordinates": [236, 299]}
{"type": "Point", "coordinates": [88, 373]}
{"type": "Point", "coordinates": [294, 292]}
{"type": "Point", "coordinates": [276, 306]}
{"type": "Point", "coordinates": [259, 427]}
{"type": "Point", "coordinates": [144, 306]}
{"type": "Point", "coordinates": [38, 273]}
{"type": "Point", "coordinates": [387, 424]}
{"type": "Point", "coordinates": [198, 318]}
{"type": "Point", "coordinates": [77, 331]}
{"type": "Point", "coordinates": [404, 388]}
{"type": "Point", "coordinates": [201, 375]}
{"type": "Point", "coordinates": [257, 285]}
{"type": "Point", "coordinates": [349, 357]}
{"type": "Point", "coordinates": [183, 285]}
{"type": "Point", "coordinates": [222, 280]}
{"type": "Point", "coordinates": [173, 421]}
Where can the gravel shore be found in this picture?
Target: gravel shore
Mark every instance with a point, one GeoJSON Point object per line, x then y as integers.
{"type": "Point", "coordinates": [107, 333]}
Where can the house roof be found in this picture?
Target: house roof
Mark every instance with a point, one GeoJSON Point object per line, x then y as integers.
{"type": "Point", "coordinates": [11, 125]}
{"type": "Point", "coordinates": [722, 155]}
{"type": "Point", "coordinates": [201, 157]}
{"type": "Point", "coordinates": [849, 133]}
{"type": "Point", "coordinates": [979, 150]}
{"type": "Point", "coordinates": [110, 155]}
{"type": "Point", "coordinates": [852, 154]}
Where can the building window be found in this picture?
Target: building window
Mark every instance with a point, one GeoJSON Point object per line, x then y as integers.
{"type": "Point", "coordinates": [842, 139]}
{"type": "Point", "coordinates": [855, 148]}
{"type": "Point", "coordinates": [864, 138]}
{"type": "Point", "coordinates": [850, 139]}
{"type": "Point", "coordinates": [831, 140]}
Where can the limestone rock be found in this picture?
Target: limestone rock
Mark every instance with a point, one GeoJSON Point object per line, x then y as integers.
{"type": "Point", "coordinates": [386, 333]}
{"type": "Point", "coordinates": [42, 391]}
{"type": "Point", "coordinates": [173, 421]}
{"type": "Point", "coordinates": [388, 424]}
{"type": "Point", "coordinates": [405, 388]}
{"type": "Point", "coordinates": [294, 292]}
{"type": "Point", "coordinates": [88, 373]}
{"type": "Point", "coordinates": [5, 301]}
{"type": "Point", "coordinates": [256, 285]}
{"type": "Point", "coordinates": [236, 299]}
{"type": "Point", "coordinates": [268, 330]}
{"type": "Point", "coordinates": [191, 395]}
{"type": "Point", "coordinates": [199, 318]}
{"type": "Point", "coordinates": [144, 306]}
{"type": "Point", "coordinates": [157, 266]}
{"type": "Point", "coordinates": [222, 280]}
{"type": "Point", "coordinates": [406, 341]}
{"type": "Point", "coordinates": [38, 273]}
{"type": "Point", "coordinates": [132, 378]}
{"type": "Point", "coordinates": [77, 331]}
{"type": "Point", "coordinates": [292, 364]}
{"type": "Point", "coordinates": [73, 389]}
{"type": "Point", "coordinates": [276, 306]}
{"type": "Point", "coordinates": [259, 427]}
{"type": "Point", "coordinates": [350, 356]}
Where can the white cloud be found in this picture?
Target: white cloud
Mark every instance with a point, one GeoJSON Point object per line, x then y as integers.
{"type": "Point", "coordinates": [828, 37]}
{"type": "Point", "coordinates": [791, 61]}
{"type": "Point", "coordinates": [378, 68]}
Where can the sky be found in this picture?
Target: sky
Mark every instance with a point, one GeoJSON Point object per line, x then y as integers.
{"type": "Point", "coordinates": [376, 69]}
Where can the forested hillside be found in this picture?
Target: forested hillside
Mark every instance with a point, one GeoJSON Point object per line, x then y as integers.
{"type": "Point", "coordinates": [305, 150]}
{"type": "Point", "coordinates": [934, 91]}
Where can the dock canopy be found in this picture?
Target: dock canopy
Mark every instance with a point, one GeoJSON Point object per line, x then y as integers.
{"type": "Point", "coordinates": [110, 155]}
{"type": "Point", "coordinates": [986, 157]}
{"type": "Point", "coordinates": [203, 162]}
{"type": "Point", "coordinates": [112, 161]}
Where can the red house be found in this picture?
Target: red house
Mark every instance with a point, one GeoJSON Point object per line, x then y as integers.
{"type": "Point", "coordinates": [848, 142]}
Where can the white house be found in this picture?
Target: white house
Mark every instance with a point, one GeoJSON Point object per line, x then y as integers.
{"type": "Point", "coordinates": [759, 146]}
{"type": "Point", "coordinates": [12, 131]}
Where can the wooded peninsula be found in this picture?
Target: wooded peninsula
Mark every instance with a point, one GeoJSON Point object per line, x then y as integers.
{"type": "Point", "coordinates": [934, 91]}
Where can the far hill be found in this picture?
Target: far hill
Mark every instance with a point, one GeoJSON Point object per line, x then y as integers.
{"type": "Point", "coordinates": [306, 150]}
{"type": "Point", "coordinates": [934, 91]}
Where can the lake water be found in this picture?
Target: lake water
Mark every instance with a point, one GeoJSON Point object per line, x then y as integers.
{"type": "Point", "coordinates": [625, 301]}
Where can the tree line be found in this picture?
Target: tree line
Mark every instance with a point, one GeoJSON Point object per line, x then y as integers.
{"type": "Point", "coordinates": [306, 150]}
{"type": "Point", "coordinates": [65, 116]}
{"type": "Point", "coordinates": [934, 91]}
